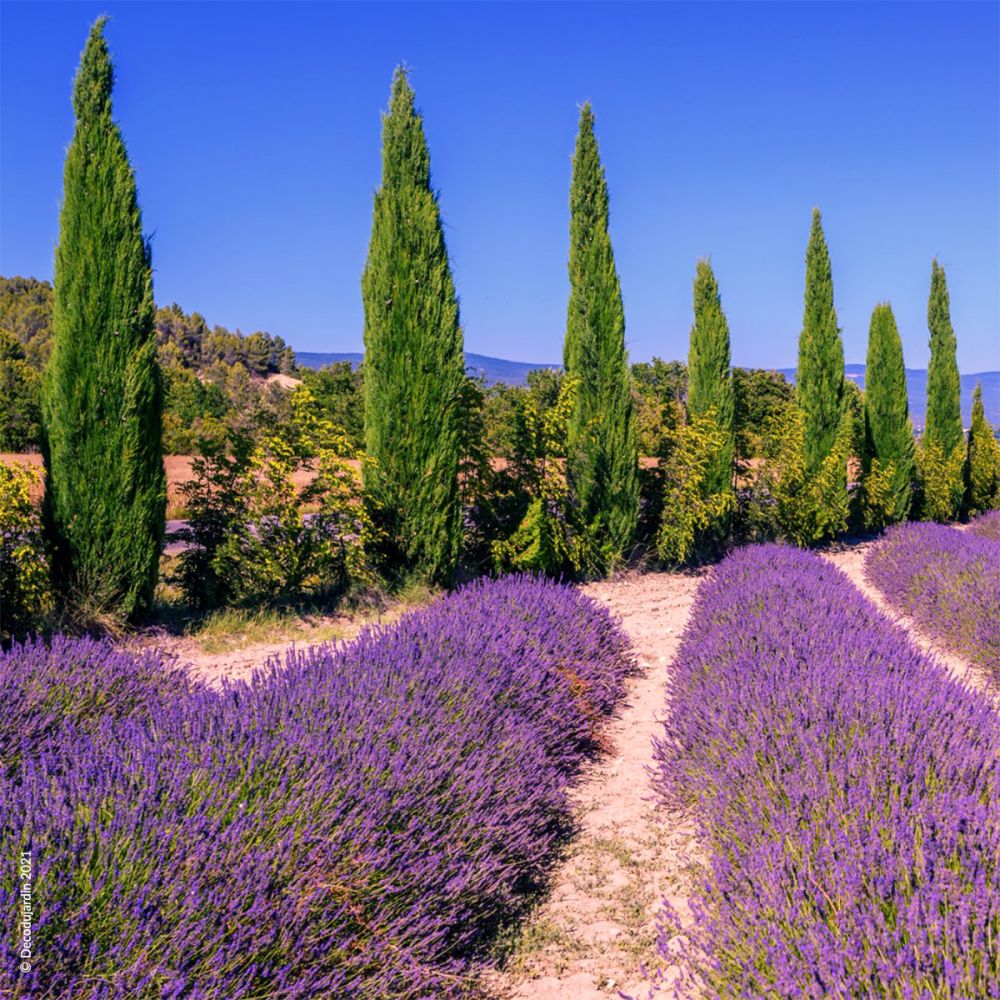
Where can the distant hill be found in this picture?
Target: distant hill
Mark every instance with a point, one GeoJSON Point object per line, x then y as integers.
{"type": "Point", "coordinates": [916, 390]}
{"type": "Point", "coordinates": [492, 369]}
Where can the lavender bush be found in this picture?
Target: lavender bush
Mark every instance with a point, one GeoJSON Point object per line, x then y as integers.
{"type": "Point", "coordinates": [948, 581]}
{"type": "Point", "coordinates": [986, 525]}
{"type": "Point", "coordinates": [354, 823]}
{"type": "Point", "coordinates": [846, 792]}
{"type": "Point", "coordinates": [47, 687]}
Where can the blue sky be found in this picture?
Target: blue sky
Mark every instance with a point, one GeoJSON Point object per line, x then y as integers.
{"type": "Point", "coordinates": [254, 133]}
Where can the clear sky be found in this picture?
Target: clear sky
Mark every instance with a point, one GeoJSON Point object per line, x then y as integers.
{"type": "Point", "coordinates": [254, 132]}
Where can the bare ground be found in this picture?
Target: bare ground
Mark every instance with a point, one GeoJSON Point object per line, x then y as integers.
{"type": "Point", "coordinates": [240, 663]}
{"type": "Point", "coordinates": [589, 938]}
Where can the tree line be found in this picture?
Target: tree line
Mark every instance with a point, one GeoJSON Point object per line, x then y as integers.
{"type": "Point", "coordinates": [214, 379]}
{"type": "Point", "coordinates": [573, 499]}
{"type": "Point", "coordinates": [216, 382]}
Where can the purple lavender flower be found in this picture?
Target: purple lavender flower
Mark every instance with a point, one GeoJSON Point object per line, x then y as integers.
{"type": "Point", "coordinates": [948, 581]}
{"type": "Point", "coordinates": [355, 822]}
{"type": "Point", "coordinates": [846, 792]}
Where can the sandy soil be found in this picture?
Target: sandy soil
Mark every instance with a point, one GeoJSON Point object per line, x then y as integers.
{"type": "Point", "coordinates": [588, 938]}
{"type": "Point", "coordinates": [240, 663]}
{"type": "Point", "coordinates": [849, 557]}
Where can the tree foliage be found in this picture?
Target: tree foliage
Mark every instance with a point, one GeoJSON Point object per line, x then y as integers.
{"type": "Point", "coordinates": [414, 365]}
{"type": "Point", "coordinates": [602, 457]}
{"type": "Point", "coordinates": [889, 448]}
{"type": "Point", "coordinates": [942, 451]}
{"type": "Point", "coordinates": [20, 398]}
{"type": "Point", "coordinates": [255, 536]}
{"type": "Point", "coordinates": [940, 481]}
{"type": "Point", "coordinates": [26, 315]}
{"type": "Point", "coordinates": [943, 424]}
{"type": "Point", "coordinates": [982, 465]}
{"type": "Point", "coordinates": [656, 386]}
{"type": "Point", "coordinates": [549, 538]}
{"type": "Point", "coordinates": [710, 394]}
{"type": "Point", "coordinates": [337, 390]}
{"type": "Point", "coordinates": [694, 500]}
{"type": "Point", "coordinates": [807, 508]}
{"type": "Point", "coordinates": [759, 398]}
{"type": "Point", "coordinates": [102, 395]}
{"type": "Point", "coordinates": [25, 583]}
{"type": "Point", "coordinates": [820, 377]}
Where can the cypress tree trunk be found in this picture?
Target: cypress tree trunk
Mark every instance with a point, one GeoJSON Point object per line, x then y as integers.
{"type": "Point", "coordinates": [982, 466]}
{"type": "Point", "coordinates": [602, 456]}
{"type": "Point", "coordinates": [102, 396]}
{"type": "Point", "coordinates": [944, 409]}
{"type": "Point", "coordinates": [888, 431]}
{"type": "Point", "coordinates": [414, 365]}
{"type": "Point", "coordinates": [820, 378]}
{"type": "Point", "coordinates": [710, 382]}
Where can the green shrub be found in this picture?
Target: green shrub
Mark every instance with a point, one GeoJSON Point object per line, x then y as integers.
{"type": "Point", "coordinates": [692, 502]}
{"type": "Point", "coordinates": [25, 586]}
{"type": "Point", "coordinates": [940, 482]}
{"type": "Point", "coordinates": [877, 498]}
{"type": "Point", "coordinates": [255, 538]}
{"type": "Point", "coordinates": [982, 466]}
{"type": "Point", "coordinates": [548, 538]}
{"type": "Point", "coordinates": [807, 509]}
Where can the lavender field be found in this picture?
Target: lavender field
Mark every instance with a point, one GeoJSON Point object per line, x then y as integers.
{"type": "Point", "coordinates": [354, 822]}
{"type": "Point", "coordinates": [845, 790]}
{"type": "Point", "coordinates": [948, 582]}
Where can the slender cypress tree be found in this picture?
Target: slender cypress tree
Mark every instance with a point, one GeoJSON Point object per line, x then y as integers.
{"type": "Point", "coordinates": [888, 431]}
{"type": "Point", "coordinates": [414, 365]}
{"type": "Point", "coordinates": [602, 451]}
{"type": "Point", "coordinates": [820, 378]}
{"type": "Point", "coordinates": [102, 396]}
{"type": "Point", "coordinates": [944, 409]}
{"type": "Point", "coordinates": [710, 381]}
{"type": "Point", "coordinates": [982, 465]}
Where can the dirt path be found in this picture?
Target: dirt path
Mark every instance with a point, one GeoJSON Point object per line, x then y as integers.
{"type": "Point", "coordinates": [850, 559]}
{"type": "Point", "coordinates": [588, 938]}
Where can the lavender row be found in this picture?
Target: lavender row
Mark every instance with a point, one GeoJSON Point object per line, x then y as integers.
{"type": "Point", "coordinates": [948, 581]}
{"type": "Point", "coordinates": [846, 792]}
{"type": "Point", "coordinates": [353, 822]}
{"type": "Point", "coordinates": [986, 525]}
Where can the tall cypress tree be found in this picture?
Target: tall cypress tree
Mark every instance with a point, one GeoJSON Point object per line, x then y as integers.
{"type": "Point", "coordinates": [102, 396]}
{"type": "Point", "coordinates": [944, 409]}
{"type": "Point", "coordinates": [710, 381]}
{"type": "Point", "coordinates": [820, 378]}
{"type": "Point", "coordinates": [602, 464]}
{"type": "Point", "coordinates": [414, 365]}
{"type": "Point", "coordinates": [888, 431]}
{"type": "Point", "coordinates": [982, 464]}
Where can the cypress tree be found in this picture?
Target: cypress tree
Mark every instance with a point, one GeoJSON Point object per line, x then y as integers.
{"type": "Point", "coordinates": [414, 365]}
{"type": "Point", "coordinates": [944, 409]}
{"type": "Point", "coordinates": [982, 466]}
{"type": "Point", "coordinates": [602, 463]}
{"type": "Point", "coordinates": [710, 381]}
{"type": "Point", "coordinates": [888, 431]}
{"type": "Point", "coordinates": [102, 395]}
{"type": "Point", "coordinates": [820, 378]}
